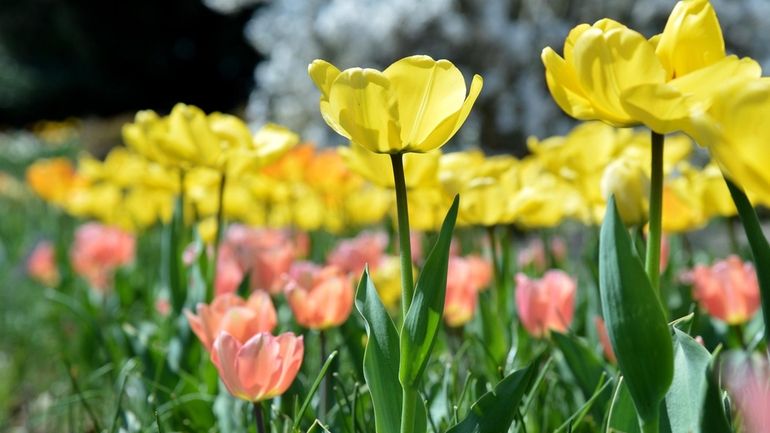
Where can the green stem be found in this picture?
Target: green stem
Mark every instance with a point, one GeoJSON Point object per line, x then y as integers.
{"type": "Point", "coordinates": [258, 419]}
{"type": "Point", "coordinates": [217, 235]}
{"type": "Point", "coordinates": [652, 263]}
{"type": "Point", "coordinates": [408, 406]}
{"type": "Point", "coordinates": [404, 243]}
{"type": "Point", "coordinates": [651, 425]}
{"type": "Point", "coordinates": [324, 381]}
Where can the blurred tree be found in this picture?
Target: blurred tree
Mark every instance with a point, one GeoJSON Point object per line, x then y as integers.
{"type": "Point", "coordinates": [62, 58]}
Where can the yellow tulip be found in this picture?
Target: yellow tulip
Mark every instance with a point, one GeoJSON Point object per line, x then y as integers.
{"type": "Point", "coordinates": [736, 131]}
{"type": "Point", "coordinates": [627, 179]}
{"type": "Point", "coordinates": [267, 145]}
{"type": "Point", "coordinates": [415, 105]}
{"type": "Point", "coordinates": [600, 63]}
{"type": "Point", "coordinates": [682, 209]}
{"type": "Point", "coordinates": [420, 170]}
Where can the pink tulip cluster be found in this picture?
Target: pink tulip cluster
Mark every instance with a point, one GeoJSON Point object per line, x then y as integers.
{"type": "Point", "coordinates": [351, 255]}
{"type": "Point", "coordinates": [41, 265]}
{"type": "Point", "coordinates": [728, 289]}
{"type": "Point", "coordinates": [98, 251]}
{"type": "Point", "coordinates": [253, 364]}
{"type": "Point", "coordinates": [545, 304]}
{"type": "Point", "coordinates": [466, 277]}
{"type": "Point", "coordinates": [265, 254]}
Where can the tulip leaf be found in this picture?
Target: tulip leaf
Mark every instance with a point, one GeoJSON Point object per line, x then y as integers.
{"type": "Point", "coordinates": [760, 249]}
{"type": "Point", "coordinates": [585, 366]}
{"type": "Point", "coordinates": [380, 357]}
{"type": "Point", "coordinates": [423, 319]}
{"type": "Point", "coordinates": [688, 389]}
{"type": "Point", "coordinates": [622, 416]}
{"type": "Point", "coordinates": [636, 322]}
{"type": "Point", "coordinates": [494, 411]}
{"type": "Point", "coordinates": [713, 418]}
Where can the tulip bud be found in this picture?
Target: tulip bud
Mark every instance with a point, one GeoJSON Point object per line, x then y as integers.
{"type": "Point", "coordinates": [630, 184]}
{"type": "Point", "coordinates": [546, 303]}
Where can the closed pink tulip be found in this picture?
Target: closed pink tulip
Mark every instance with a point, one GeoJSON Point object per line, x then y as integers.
{"type": "Point", "coordinates": [261, 368]}
{"type": "Point", "coordinates": [748, 381]}
{"type": "Point", "coordinates": [728, 290]}
{"type": "Point", "coordinates": [320, 297]}
{"type": "Point", "coordinates": [230, 313]}
{"type": "Point", "coordinates": [41, 265]}
{"type": "Point", "coordinates": [465, 278]}
{"type": "Point", "coordinates": [352, 255]}
{"type": "Point", "coordinates": [545, 304]}
{"type": "Point", "coordinates": [98, 251]}
{"type": "Point", "coordinates": [229, 275]}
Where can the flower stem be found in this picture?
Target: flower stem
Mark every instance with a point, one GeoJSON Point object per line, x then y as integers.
{"type": "Point", "coordinates": [324, 381]}
{"type": "Point", "coordinates": [651, 425]}
{"type": "Point", "coordinates": [217, 236]}
{"type": "Point", "coordinates": [258, 419]}
{"type": "Point", "coordinates": [408, 404]}
{"type": "Point", "coordinates": [404, 243]}
{"type": "Point", "coordinates": [652, 263]}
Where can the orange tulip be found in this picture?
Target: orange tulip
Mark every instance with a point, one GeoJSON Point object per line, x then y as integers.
{"type": "Point", "coordinates": [465, 278]}
{"type": "Point", "coordinates": [546, 303]}
{"type": "Point", "coordinates": [320, 298]}
{"type": "Point", "coordinates": [728, 290]}
{"type": "Point", "coordinates": [41, 265]}
{"type": "Point", "coordinates": [241, 319]}
{"type": "Point", "coordinates": [53, 179]}
{"type": "Point", "coordinates": [261, 368]}
{"type": "Point", "coordinates": [98, 251]}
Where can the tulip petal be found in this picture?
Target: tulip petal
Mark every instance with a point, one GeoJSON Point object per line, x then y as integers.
{"type": "Point", "coordinates": [660, 107]}
{"type": "Point", "coordinates": [607, 63]}
{"type": "Point", "coordinates": [362, 107]}
{"type": "Point", "coordinates": [257, 363]}
{"type": "Point", "coordinates": [323, 75]}
{"type": "Point", "coordinates": [227, 348]}
{"type": "Point", "coordinates": [692, 38]}
{"type": "Point", "coordinates": [564, 87]}
{"type": "Point", "coordinates": [428, 93]}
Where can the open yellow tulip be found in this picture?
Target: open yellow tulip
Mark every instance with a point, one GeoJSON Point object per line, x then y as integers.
{"type": "Point", "coordinates": [415, 105]}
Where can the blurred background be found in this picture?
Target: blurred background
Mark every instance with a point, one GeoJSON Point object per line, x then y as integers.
{"type": "Point", "coordinates": [99, 62]}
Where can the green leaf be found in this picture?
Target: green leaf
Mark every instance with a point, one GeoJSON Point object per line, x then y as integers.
{"type": "Point", "coordinates": [688, 389]}
{"type": "Point", "coordinates": [423, 319]}
{"type": "Point", "coordinates": [585, 366]}
{"type": "Point", "coordinates": [713, 418]}
{"type": "Point", "coordinates": [622, 417]}
{"type": "Point", "coordinates": [636, 322]}
{"type": "Point", "coordinates": [312, 391]}
{"type": "Point", "coordinates": [760, 249]}
{"type": "Point", "coordinates": [494, 411]}
{"type": "Point", "coordinates": [380, 357]}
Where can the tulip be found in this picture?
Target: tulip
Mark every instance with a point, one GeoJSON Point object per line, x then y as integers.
{"type": "Point", "coordinates": [241, 319]}
{"type": "Point", "coordinates": [748, 381]}
{"type": "Point", "coordinates": [604, 339]}
{"type": "Point", "coordinates": [728, 290]}
{"type": "Point", "coordinates": [52, 179]}
{"type": "Point", "coordinates": [736, 133]}
{"type": "Point", "coordinates": [465, 278]}
{"type": "Point", "coordinates": [545, 304]}
{"type": "Point", "coordinates": [415, 105]}
{"type": "Point", "coordinates": [320, 298]}
{"type": "Point", "coordinates": [261, 368]}
{"type": "Point", "coordinates": [352, 255]}
{"type": "Point", "coordinates": [629, 182]}
{"type": "Point", "coordinates": [98, 251]}
{"type": "Point", "coordinates": [41, 265]}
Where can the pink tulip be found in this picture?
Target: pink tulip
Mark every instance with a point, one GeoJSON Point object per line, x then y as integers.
{"type": "Point", "coordinates": [546, 303]}
{"type": "Point", "coordinates": [728, 290]}
{"type": "Point", "coordinates": [533, 255]}
{"type": "Point", "coordinates": [465, 278]}
{"type": "Point", "coordinates": [265, 254]}
{"type": "Point", "coordinates": [352, 255]}
{"type": "Point", "coordinates": [748, 381]}
{"type": "Point", "coordinates": [320, 298]}
{"type": "Point", "coordinates": [98, 251]}
{"type": "Point", "coordinates": [41, 265]}
{"type": "Point", "coordinates": [163, 306]}
{"type": "Point", "coordinates": [261, 368]}
{"type": "Point", "coordinates": [240, 318]}
{"type": "Point", "coordinates": [604, 339]}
